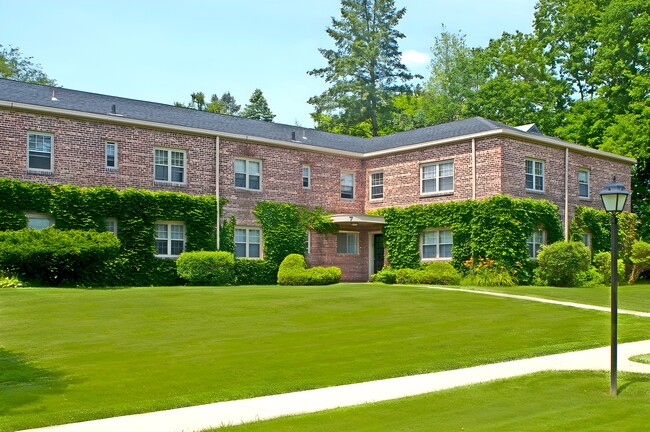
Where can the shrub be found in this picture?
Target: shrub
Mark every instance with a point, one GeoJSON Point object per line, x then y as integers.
{"type": "Point", "coordinates": [294, 271]}
{"type": "Point", "coordinates": [487, 272]}
{"type": "Point", "coordinates": [640, 257]}
{"type": "Point", "coordinates": [603, 263]}
{"type": "Point", "coordinates": [53, 257]}
{"type": "Point", "coordinates": [386, 275]}
{"type": "Point", "coordinates": [438, 273]}
{"type": "Point", "coordinates": [10, 282]}
{"type": "Point", "coordinates": [255, 272]}
{"type": "Point", "coordinates": [206, 268]}
{"type": "Point", "coordinates": [561, 262]}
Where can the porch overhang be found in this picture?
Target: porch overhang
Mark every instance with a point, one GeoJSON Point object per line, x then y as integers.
{"type": "Point", "coordinates": [347, 221]}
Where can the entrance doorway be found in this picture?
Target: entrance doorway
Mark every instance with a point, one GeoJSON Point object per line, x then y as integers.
{"type": "Point", "coordinates": [377, 253]}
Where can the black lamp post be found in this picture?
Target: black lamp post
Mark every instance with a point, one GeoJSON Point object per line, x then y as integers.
{"type": "Point", "coordinates": [614, 197]}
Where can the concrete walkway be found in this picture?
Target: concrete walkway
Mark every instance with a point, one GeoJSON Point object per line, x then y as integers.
{"type": "Point", "coordinates": [266, 407]}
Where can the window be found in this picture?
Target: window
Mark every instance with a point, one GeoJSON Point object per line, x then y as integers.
{"type": "Point", "coordinates": [111, 155]}
{"type": "Point", "coordinates": [39, 221]}
{"type": "Point", "coordinates": [308, 243]}
{"type": "Point", "coordinates": [347, 185]}
{"type": "Point", "coordinates": [248, 243]}
{"type": "Point", "coordinates": [437, 177]}
{"type": "Point", "coordinates": [347, 243]}
{"type": "Point", "coordinates": [111, 225]}
{"type": "Point", "coordinates": [39, 151]}
{"type": "Point", "coordinates": [170, 239]}
{"type": "Point", "coordinates": [306, 177]}
{"type": "Point", "coordinates": [377, 185]}
{"type": "Point", "coordinates": [436, 244]}
{"type": "Point", "coordinates": [169, 165]}
{"type": "Point", "coordinates": [586, 239]}
{"type": "Point", "coordinates": [535, 242]}
{"type": "Point", "coordinates": [534, 175]}
{"type": "Point", "coordinates": [583, 183]}
{"type": "Point", "coordinates": [248, 174]}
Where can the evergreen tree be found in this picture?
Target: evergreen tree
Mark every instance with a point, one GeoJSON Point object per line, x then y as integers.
{"type": "Point", "coordinates": [258, 108]}
{"type": "Point", "coordinates": [364, 71]}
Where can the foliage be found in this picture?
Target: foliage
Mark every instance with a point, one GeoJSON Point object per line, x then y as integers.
{"type": "Point", "coordinates": [433, 273]}
{"type": "Point", "coordinates": [255, 272]}
{"type": "Point", "coordinates": [561, 262]}
{"type": "Point", "coordinates": [385, 275]}
{"type": "Point", "coordinates": [10, 282]}
{"type": "Point", "coordinates": [487, 272]}
{"type": "Point", "coordinates": [293, 271]}
{"type": "Point", "coordinates": [258, 108]}
{"type": "Point", "coordinates": [206, 268]}
{"type": "Point", "coordinates": [640, 257]}
{"type": "Point", "coordinates": [54, 257]}
{"type": "Point", "coordinates": [13, 65]}
{"type": "Point", "coordinates": [603, 263]}
{"type": "Point", "coordinates": [226, 104]}
{"type": "Point", "coordinates": [364, 71]}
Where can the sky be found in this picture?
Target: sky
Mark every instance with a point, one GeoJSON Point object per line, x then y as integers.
{"type": "Point", "coordinates": [164, 50]}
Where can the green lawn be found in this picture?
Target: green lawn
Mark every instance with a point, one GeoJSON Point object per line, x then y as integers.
{"type": "Point", "coordinates": [632, 297]}
{"type": "Point", "coordinates": [549, 401]}
{"type": "Point", "coordinates": [71, 354]}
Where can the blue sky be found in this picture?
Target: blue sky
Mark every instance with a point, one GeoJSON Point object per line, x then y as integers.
{"type": "Point", "coordinates": [163, 50]}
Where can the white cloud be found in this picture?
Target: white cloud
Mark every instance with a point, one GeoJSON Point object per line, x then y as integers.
{"type": "Point", "coordinates": [413, 58]}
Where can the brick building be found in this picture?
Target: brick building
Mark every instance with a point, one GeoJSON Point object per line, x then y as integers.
{"type": "Point", "coordinates": [56, 135]}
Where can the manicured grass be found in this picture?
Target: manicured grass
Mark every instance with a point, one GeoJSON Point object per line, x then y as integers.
{"type": "Point", "coordinates": [549, 401]}
{"type": "Point", "coordinates": [643, 358]}
{"type": "Point", "coordinates": [632, 297]}
{"type": "Point", "coordinates": [71, 355]}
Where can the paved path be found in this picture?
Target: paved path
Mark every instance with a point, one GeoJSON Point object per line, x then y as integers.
{"type": "Point", "coordinates": [266, 407]}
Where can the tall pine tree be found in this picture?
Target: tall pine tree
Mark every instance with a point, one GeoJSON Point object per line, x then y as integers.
{"type": "Point", "coordinates": [364, 71]}
{"type": "Point", "coordinates": [258, 108]}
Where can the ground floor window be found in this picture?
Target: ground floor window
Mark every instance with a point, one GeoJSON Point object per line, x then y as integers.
{"type": "Point", "coordinates": [535, 242]}
{"type": "Point", "coordinates": [248, 242]}
{"type": "Point", "coordinates": [436, 244]}
{"type": "Point", "coordinates": [347, 243]}
{"type": "Point", "coordinates": [39, 221]}
{"type": "Point", "coordinates": [170, 238]}
{"type": "Point", "coordinates": [111, 225]}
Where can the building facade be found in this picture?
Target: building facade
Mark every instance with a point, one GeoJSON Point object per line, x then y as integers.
{"type": "Point", "coordinates": [60, 136]}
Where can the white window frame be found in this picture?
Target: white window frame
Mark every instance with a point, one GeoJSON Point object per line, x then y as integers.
{"type": "Point", "coordinates": [50, 138]}
{"type": "Point", "coordinates": [586, 239]}
{"type": "Point", "coordinates": [586, 183]}
{"type": "Point", "coordinates": [351, 243]}
{"type": "Point", "coordinates": [106, 146]}
{"type": "Point", "coordinates": [436, 177]}
{"type": "Point", "coordinates": [375, 183]}
{"type": "Point", "coordinates": [308, 243]}
{"type": "Point", "coordinates": [169, 165]}
{"type": "Point", "coordinates": [438, 232]}
{"type": "Point", "coordinates": [39, 216]}
{"type": "Point", "coordinates": [247, 173]}
{"type": "Point", "coordinates": [536, 239]}
{"type": "Point", "coordinates": [168, 238]}
{"type": "Point", "coordinates": [347, 174]}
{"type": "Point", "coordinates": [306, 176]}
{"type": "Point", "coordinates": [536, 178]}
{"type": "Point", "coordinates": [247, 242]}
{"type": "Point", "coordinates": [111, 225]}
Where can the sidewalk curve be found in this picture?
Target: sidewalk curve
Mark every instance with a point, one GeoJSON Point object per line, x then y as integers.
{"type": "Point", "coordinates": [267, 407]}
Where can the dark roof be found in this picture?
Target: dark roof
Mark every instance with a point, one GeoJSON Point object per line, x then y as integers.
{"type": "Point", "coordinates": [35, 94]}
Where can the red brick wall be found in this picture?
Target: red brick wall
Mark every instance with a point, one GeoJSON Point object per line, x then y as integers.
{"type": "Point", "coordinates": [353, 267]}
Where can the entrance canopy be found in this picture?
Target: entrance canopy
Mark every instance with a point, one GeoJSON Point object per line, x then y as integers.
{"type": "Point", "coordinates": [357, 221]}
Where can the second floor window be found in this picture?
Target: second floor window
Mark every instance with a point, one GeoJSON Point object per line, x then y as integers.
{"type": "Point", "coordinates": [111, 155]}
{"type": "Point", "coordinates": [169, 165]}
{"type": "Point", "coordinates": [248, 174]}
{"type": "Point", "coordinates": [306, 177]}
{"type": "Point", "coordinates": [583, 183]}
{"type": "Point", "coordinates": [39, 149]}
{"type": "Point", "coordinates": [437, 177]}
{"type": "Point", "coordinates": [347, 185]}
{"type": "Point", "coordinates": [534, 175]}
{"type": "Point", "coordinates": [377, 185]}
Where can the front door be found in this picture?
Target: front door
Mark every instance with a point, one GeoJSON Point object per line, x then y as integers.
{"type": "Point", "coordinates": [377, 252]}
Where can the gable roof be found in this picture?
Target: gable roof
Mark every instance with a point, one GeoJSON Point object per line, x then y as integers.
{"type": "Point", "coordinates": [64, 101]}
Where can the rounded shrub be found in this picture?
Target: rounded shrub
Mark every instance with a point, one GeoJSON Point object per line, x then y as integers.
{"type": "Point", "coordinates": [433, 273]}
{"type": "Point", "coordinates": [561, 263]}
{"type": "Point", "coordinates": [293, 271]}
{"type": "Point", "coordinates": [206, 268]}
{"type": "Point", "coordinates": [386, 275]}
{"type": "Point", "coordinates": [640, 258]}
{"type": "Point", "coordinates": [255, 272]}
{"type": "Point", "coordinates": [603, 263]}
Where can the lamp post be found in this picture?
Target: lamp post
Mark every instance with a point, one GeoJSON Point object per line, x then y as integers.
{"type": "Point", "coordinates": [614, 196]}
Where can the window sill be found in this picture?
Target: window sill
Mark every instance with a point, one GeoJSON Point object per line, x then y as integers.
{"type": "Point", "coordinates": [377, 200]}
{"type": "Point", "coordinates": [535, 192]}
{"type": "Point", "coordinates": [436, 259]}
{"type": "Point", "coordinates": [39, 171]}
{"type": "Point", "coordinates": [110, 169]}
{"type": "Point", "coordinates": [166, 256]}
{"type": "Point", "coordinates": [347, 199]}
{"type": "Point", "coordinates": [247, 189]}
{"type": "Point", "coordinates": [169, 183]}
{"type": "Point", "coordinates": [254, 258]}
{"type": "Point", "coordinates": [584, 198]}
{"type": "Point", "coordinates": [436, 194]}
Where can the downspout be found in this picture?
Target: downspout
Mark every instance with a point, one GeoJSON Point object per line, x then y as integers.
{"type": "Point", "coordinates": [566, 194]}
{"type": "Point", "coordinates": [216, 191]}
{"type": "Point", "coordinates": [473, 168]}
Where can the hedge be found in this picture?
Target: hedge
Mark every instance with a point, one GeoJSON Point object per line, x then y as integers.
{"type": "Point", "coordinates": [206, 268]}
{"type": "Point", "coordinates": [294, 271]}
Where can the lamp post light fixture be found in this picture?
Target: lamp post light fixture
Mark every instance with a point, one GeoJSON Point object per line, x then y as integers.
{"type": "Point", "coordinates": [614, 196]}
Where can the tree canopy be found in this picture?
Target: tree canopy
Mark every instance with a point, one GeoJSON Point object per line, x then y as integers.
{"type": "Point", "coordinates": [14, 65]}
{"type": "Point", "coordinates": [258, 108]}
